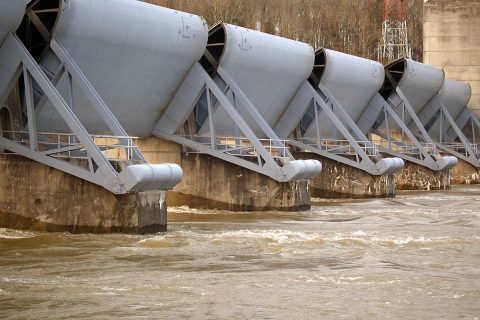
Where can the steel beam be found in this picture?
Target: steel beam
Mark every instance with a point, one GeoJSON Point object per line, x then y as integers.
{"type": "Point", "coordinates": [198, 81]}
{"type": "Point", "coordinates": [139, 177]}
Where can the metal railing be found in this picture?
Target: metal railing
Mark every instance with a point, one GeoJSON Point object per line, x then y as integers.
{"type": "Point", "coordinates": [239, 146]}
{"type": "Point", "coordinates": [460, 148]}
{"type": "Point", "coordinates": [407, 147]}
{"type": "Point", "coordinates": [66, 145]}
{"type": "Point", "coordinates": [342, 147]}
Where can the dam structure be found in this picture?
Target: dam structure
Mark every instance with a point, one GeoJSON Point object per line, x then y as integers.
{"type": "Point", "coordinates": [226, 108]}
{"type": "Point", "coordinates": [321, 119]}
{"type": "Point", "coordinates": [393, 123]}
{"type": "Point", "coordinates": [105, 120]}
{"type": "Point", "coordinates": [83, 158]}
{"type": "Point", "coordinates": [454, 127]}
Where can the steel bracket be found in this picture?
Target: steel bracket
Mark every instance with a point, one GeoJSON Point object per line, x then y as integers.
{"type": "Point", "coordinates": [137, 174]}
{"type": "Point", "coordinates": [279, 165]}
{"type": "Point", "coordinates": [366, 157]}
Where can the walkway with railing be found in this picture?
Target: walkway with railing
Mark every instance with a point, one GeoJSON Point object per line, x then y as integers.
{"type": "Point", "coordinates": [243, 147]}
{"type": "Point", "coordinates": [408, 148]}
{"type": "Point", "coordinates": [460, 148]}
{"type": "Point", "coordinates": [65, 145]}
{"type": "Point", "coordinates": [341, 147]}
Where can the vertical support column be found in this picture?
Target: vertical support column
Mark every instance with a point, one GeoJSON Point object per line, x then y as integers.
{"type": "Point", "coordinates": [317, 125]}
{"type": "Point", "coordinates": [388, 129]}
{"type": "Point", "coordinates": [152, 212]}
{"type": "Point", "coordinates": [211, 120]}
{"type": "Point", "coordinates": [32, 130]}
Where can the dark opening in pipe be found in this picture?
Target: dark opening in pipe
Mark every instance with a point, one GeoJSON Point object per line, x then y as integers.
{"type": "Point", "coordinates": [216, 45]}
{"type": "Point", "coordinates": [394, 72]}
{"type": "Point", "coordinates": [318, 67]}
{"type": "Point", "coordinates": [38, 25]}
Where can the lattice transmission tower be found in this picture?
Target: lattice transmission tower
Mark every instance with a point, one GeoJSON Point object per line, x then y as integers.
{"type": "Point", "coordinates": [394, 32]}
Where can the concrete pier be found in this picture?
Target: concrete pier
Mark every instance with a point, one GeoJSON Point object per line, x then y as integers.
{"type": "Point", "coordinates": [212, 183]}
{"type": "Point", "coordinates": [37, 197]}
{"type": "Point", "coordinates": [339, 180]}
{"type": "Point", "coordinates": [465, 173]}
{"type": "Point", "coordinates": [417, 177]}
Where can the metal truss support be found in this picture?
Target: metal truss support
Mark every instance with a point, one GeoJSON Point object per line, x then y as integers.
{"type": "Point", "coordinates": [425, 154]}
{"type": "Point", "coordinates": [466, 150]}
{"type": "Point", "coordinates": [365, 157]}
{"type": "Point", "coordinates": [272, 159]}
{"type": "Point", "coordinates": [137, 174]}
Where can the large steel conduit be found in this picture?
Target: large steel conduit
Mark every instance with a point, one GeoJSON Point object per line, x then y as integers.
{"type": "Point", "coordinates": [353, 81]}
{"type": "Point", "coordinates": [349, 83]}
{"type": "Point", "coordinates": [268, 69]}
{"type": "Point", "coordinates": [408, 88]}
{"type": "Point", "coordinates": [93, 34]}
{"type": "Point", "coordinates": [455, 96]}
{"type": "Point", "coordinates": [135, 55]}
{"type": "Point", "coordinates": [418, 82]}
{"type": "Point", "coordinates": [449, 115]}
{"type": "Point", "coordinates": [11, 14]}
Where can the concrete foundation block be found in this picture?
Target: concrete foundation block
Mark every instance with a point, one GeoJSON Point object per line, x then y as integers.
{"type": "Point", "coordinates": [339, 180]}
{"type": "Point", "coordinates": [37, 197]}
{"type": "Point", "coordinates": [417, 177]}
{"type": "Point", "coordinates": [465, 173]}
{"type": "Point", "coordinates": [211, 183]}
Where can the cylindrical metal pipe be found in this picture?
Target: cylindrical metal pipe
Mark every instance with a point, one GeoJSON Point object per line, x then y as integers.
{"type": "Point", "coordinates": [135, 54]}
{"type": "Point", "coordinates": [352, 80]}
{"type": "Point", "coordinates": [455, 95]}
{"type": "Point", "coordinates": [268, 69]}
{"type": "Point", "coordinates": [419, 82]}
{"type": "Point", "coordinates": [11, 14]}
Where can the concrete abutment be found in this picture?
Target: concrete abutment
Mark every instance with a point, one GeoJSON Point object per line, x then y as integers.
{"type": "Point", "coordinates": [339, 180]}
{"type": "Point", "coordinates": [416, 177]}
{"type": "Point", "coordinates": [211, 183]}
{"type": "Point", "coordinates": [37, 197]}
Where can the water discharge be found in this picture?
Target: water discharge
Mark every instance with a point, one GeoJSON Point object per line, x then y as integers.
{"type": "Point", "coordinates": [413, 257]}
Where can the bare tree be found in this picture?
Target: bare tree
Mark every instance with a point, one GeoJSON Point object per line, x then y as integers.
{"type": "Point", "coordinates": [350, 26]}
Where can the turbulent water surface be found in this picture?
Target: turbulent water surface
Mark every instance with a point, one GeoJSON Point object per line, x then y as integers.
{"type": "Point", "coordinates": [413, 257]}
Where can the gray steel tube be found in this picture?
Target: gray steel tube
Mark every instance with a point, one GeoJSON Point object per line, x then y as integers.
{"type": "Point", "coordinates": [11, 14]}
{"type": "Point", "coordinates": [135, 54]}
{"type": "Point", "coordinates": [353, 81]}
{"type": "Point", "coordinates": [269, 70]}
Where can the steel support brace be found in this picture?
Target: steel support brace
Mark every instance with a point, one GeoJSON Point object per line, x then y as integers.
{"type": "Point", "coordinates": [198, 81]}
{"type": "Point", "coordinates": [327, 105]}
{"type": "Point", "coordinates": [469, 156]}
{"type": "Point", "coordinates": [101, 171]}
{"type": "Point", "coordinates": [90, 93]}
{"type": "Point", "coordinates": [433, 161]}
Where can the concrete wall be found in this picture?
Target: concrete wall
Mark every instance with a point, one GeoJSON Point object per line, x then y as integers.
{"type": "Point", "coordinates": [465, 173]}
{"type": "Point", "coordinates": [37, 197]}
{"type": "Point", "coordinates": [338, 180]}
{"type": "Point", "coordinates": [209, 182]}
{"type": "Point", "coordinates": [416, 177]}
{"type": "Point", "coordinates": [451, 31]}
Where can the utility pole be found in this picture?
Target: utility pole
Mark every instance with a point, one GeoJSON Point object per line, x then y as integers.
{"type": "Point", "coordinates": [394, 32]}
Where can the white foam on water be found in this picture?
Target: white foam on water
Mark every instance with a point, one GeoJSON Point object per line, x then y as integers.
{"type": "Point", "coordinates": [344, 280]}
{"type": "Point", "coordinates": [280, 237]}
{"type": "Point", "coordinates": [15, 234]}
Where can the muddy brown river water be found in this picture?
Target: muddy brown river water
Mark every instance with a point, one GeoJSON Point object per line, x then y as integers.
{"type": "Point", "coordinates": [413, 257]}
